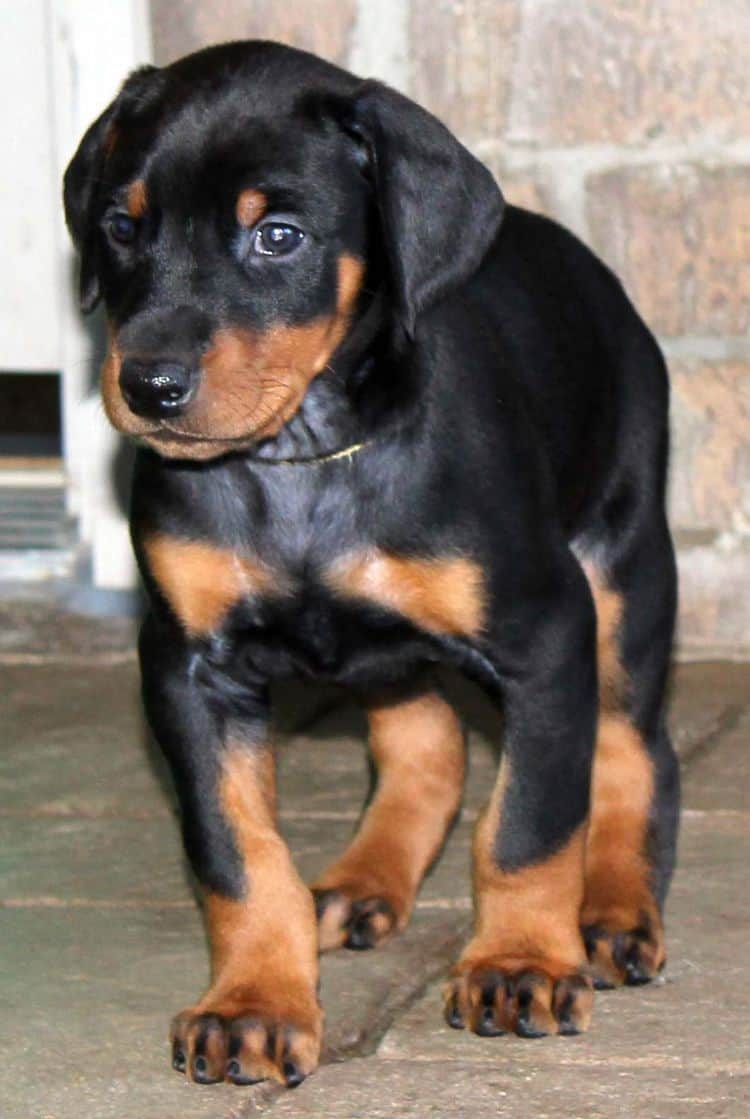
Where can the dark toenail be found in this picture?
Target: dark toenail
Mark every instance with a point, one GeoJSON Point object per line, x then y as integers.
{"type": "Point", "coordinates": [486, 1026]}
{"type": "Point", "coordinates": [635, 976]}
{"type": "Point", "coordinates": [322, 899]}
{"type": "Point", "coordinates": [488, 994]}
{"type": "Point", "coordinates": [200, 1064]}
{"type": "Point", "coordinates": [292, 1074]}
{"type": "Point", "coordinates": [233, 1068]}
{"type": "Point", "coordinates": [178, 1060]}
{"type": "Point", "coordinates": [525, 998]}
{"type": "Point", "coordinates": [453, 1015]}
{"type": "Point", "coordinates": [271, 1044]}
{"type": "Point", "coordinates": [361, 935]}
{"type": "Point", "coordinates": [527, 1029]}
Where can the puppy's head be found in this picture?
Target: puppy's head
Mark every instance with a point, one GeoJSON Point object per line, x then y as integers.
{"type": "Point", "coordinates": [229, 210]}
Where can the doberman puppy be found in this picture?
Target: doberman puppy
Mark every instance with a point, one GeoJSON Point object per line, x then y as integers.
{"type": "Point", "coordinates": [386, 422]}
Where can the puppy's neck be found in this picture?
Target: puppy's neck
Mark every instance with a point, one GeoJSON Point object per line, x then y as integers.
{"type": "Point", "coordinates": [345, 405]}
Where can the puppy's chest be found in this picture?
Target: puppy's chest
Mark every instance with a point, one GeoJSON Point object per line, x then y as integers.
{"type": "Point", "coordinates": [317, 611]}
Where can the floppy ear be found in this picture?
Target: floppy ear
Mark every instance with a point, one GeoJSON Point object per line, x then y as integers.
{"type": "Point", "coordinates": [440, 207]}
{"type": "Point", "coordinates": [82, 174]}
{"type": "Point", "coordinates": [85, 172]}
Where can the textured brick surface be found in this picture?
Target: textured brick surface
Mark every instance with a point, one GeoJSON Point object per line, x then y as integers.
{"type": "Point", "coordinates": [521, 189]}
{"type": "Point", "coordinates": [711, 458]}
{"type": "Point", "coordinates": [190, 24]}
{"type": "Point", "coordinates": [679, 237]}
{"type": "Point", "coordinates": [714, 601]}
{"type": "Point", "coordinates": [462, 62]}
{"type": "Point", "coordinates": [630, 71]}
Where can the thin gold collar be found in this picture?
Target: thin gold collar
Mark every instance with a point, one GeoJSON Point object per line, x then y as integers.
{"type": "Point", "coordinates": [347, 452]}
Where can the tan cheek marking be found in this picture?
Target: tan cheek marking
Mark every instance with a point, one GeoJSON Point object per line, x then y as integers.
{"type": "Point", "coordinates": [118, 413]}
{"type": "Point", "coordinates": [253, 382]}
{"type": "Point", "coordinates": [201, 582]}
{"type": "Point", "coordinates": [111, 380]}
{"type": "Point", "coordinates": [442, 595]}
{"type": "Point", "coordinates": [250, 208]}
{"type": "Point", "coordinates": [351, 276]}
{"type": "Point", "coordinates": [136, 199]}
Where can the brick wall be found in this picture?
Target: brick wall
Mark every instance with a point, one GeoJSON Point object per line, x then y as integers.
{"type": "Point", "coordinates": [629, 121]}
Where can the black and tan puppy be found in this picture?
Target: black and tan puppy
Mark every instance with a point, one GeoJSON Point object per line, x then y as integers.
{"type": "Point", "coordinates": [386, 422]}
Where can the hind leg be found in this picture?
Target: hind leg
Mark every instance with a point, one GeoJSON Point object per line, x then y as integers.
{"type": "Point", "coordinates": [417, 745]}
{"type": "Point", "coordinates": [632, 832]}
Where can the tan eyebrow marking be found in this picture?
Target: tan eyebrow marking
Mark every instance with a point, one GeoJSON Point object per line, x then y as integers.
{"type": "Point", "coordinates": [136, 199]}
{"type": "Point", "coordinates": [250, 208]}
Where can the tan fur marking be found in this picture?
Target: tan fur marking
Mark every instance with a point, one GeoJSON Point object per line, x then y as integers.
{"type": "Point", "coordinates": [609, 611]}
{"type": "Point", "coordinates": [264, 946]}
{"type": "Point", "coordinates": [442, 595]}
{"type": "Point", "coordinates": [278, 911]}
{"type": "Point", "coordinates": [529, 914]}
{"type": "Point", "coordinates": [526, 927]}
{"type": "Point", "coordinates": [114, 405]}
{"type": "Point", "coordinates": [618, 895]}
{"type": "Point", "coordinates": [202, 582]}
{"type": "Point", "coordinates": [418, 747]}
{"type": "Point", "coordinates": [137, 201]}
{"type": "Point", "coordinates": [250, 208]}
{"type": "Point", "coordinates": [617, 870]}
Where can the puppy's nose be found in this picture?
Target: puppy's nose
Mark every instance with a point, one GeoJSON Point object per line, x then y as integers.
{"type": "Point", "coordinates": [156, 389]}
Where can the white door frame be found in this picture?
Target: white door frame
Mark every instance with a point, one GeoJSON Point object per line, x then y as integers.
{"type": "Point", "coordinates": [92, 45]}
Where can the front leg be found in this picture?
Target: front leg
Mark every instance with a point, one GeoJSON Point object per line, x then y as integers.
{"type": "Point", "coordinates": [524, 970]}
{"type": "Point", "coordinates": [260, 1016]}
{"type": "Point", "coordinates": [417, 745]}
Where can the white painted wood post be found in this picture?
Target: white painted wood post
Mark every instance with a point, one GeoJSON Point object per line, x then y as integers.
{"type": "Point", "coordinates": [92, 46]}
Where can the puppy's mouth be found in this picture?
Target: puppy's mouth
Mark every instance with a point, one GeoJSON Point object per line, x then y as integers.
{"type": "Point", "coordinates": [167, 440]}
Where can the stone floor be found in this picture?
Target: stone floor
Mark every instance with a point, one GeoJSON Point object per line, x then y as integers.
{"type": "Point", "coordinates": [100, 938]}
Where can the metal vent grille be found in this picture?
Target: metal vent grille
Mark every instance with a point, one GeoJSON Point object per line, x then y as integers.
{"type": "Point", "coordinates": [38, 540]}
{"type": "Point", "coordinates": [34, 518]}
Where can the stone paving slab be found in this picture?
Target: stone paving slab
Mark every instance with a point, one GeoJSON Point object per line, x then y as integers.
{"type": "Point", "coordinates": [665, 1025]}
{"type": "Point", "coordinates": [87, 994]}
{"type": "Point", "coordinates": [141, 861]}
{"type": "Point", "coordinates": [34, 628]}
{"type": "Point", "coordinates": [403, 1089]}
{"type": "Point", "coordinates": [718, 776]}
{"type": "Point", "coordinates": [89, 978]}
{"type": "Point", "coordinates": [74, 744]}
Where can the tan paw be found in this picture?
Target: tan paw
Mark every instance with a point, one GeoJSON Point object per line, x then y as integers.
{"type": "Point", "coordinates": [351, 921]}
{"type": "Point", "coordinates": [528, 997]}
{"type": "Point", "coordinates": [244, 1040]}
{"type": "Point", "coordinates": [630, 955]}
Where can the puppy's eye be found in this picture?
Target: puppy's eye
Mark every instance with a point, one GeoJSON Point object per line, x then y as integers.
{"type": "Point", "coordinates": [276, 239]}
{"type": "Point", "coordinates": [123, 228]}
